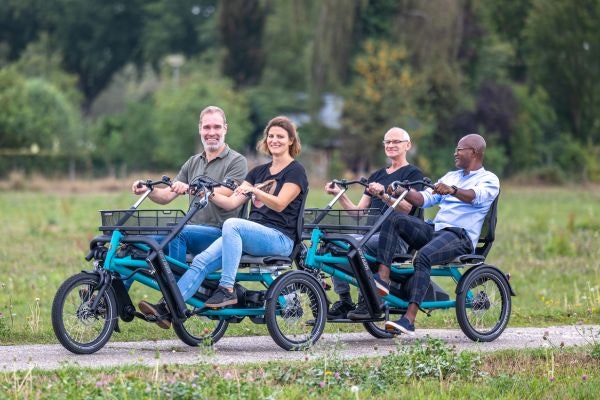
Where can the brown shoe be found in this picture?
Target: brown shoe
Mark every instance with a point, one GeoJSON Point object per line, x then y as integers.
{"type": "Point", "coordinates": [160, 311]}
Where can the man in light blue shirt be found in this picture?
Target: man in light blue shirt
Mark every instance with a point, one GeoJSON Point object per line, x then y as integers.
{"type": "Point", "coordinates": [464, 197]}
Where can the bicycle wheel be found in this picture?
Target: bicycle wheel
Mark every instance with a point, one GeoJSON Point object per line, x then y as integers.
{"type": "Point", "coordinates": [77, 326]}
{"type": "Point", "coordinates": [483, 306]}
{"type": "Point", "coordinates": [200, 330]}
{"type": "Point", "coordinates": [296, 310]}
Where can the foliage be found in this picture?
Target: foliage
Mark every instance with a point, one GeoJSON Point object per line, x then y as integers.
{"type": "Point", "coordinates": [175, 116]}
{"type": "Point", "coordinates": [511, 376]}
{"type": "Point", "coordinates": [563, 57]}
{"type": "Point", "coordinates": [36, 113]}
{"type": "Point", "coordinates": [97, 39]}
{"type": "Point", "coordinates": [289, 28]}
{"type": "Point", "coordinates": [179, 26]}
{"type": "Point", "coordinates": [382, 96]}
{"type": "Point", "coordinates": [466, 61]}
{"type": "Point", "coordinates": [241, 25]}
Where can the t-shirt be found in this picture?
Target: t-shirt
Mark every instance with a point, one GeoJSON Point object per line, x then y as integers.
{"type": "Point", "coordinates": [228, 165]}
{"type": "Point", "coordinates": [286, 220]}
{"type": "Point", "coordinates": [406, 173]}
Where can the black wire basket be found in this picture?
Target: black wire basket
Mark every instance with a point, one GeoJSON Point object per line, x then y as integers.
{"type": "Point", "coordinates": [140, 222]}
{"type": "Point", "coordinates": [341, 221]}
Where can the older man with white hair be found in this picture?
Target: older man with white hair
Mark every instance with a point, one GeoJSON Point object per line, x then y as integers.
{"type": "Point", "coordinates": [396, 144]}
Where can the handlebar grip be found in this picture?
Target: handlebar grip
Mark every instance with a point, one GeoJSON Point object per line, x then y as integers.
{"type": "Point", "coordinates": [139, 184]}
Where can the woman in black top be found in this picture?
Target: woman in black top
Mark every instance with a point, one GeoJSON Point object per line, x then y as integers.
{"type": "Point", "coordinates": [277, 189]}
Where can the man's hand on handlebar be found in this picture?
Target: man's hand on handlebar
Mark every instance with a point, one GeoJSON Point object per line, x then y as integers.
{"type": "Point", "coordinates": [376, 189]}
{"type": "Point", "coordinates": [180, 187]}
{"type": "Point", "coordinates": [332, 188]}
{"type": "Point", "coordinates": [442, 188]}
{"type": "Point", "coordinates": [138, 187]}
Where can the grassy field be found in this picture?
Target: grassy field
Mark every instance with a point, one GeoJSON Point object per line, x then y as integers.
{"type": "Point", "coordinates": [421, 370]}
{"type": "Point", "coordinates": [547, 239]}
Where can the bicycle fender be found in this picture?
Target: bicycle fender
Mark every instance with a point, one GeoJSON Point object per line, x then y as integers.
{"type": "Point", "coordinates": [460, 286]}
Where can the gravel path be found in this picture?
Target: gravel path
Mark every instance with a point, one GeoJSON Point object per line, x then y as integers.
{"type": "Point", "coordinates": [231, 350]}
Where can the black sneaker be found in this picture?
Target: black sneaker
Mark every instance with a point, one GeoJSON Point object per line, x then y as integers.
{"type": "Point", "coordinates": [362, 311]}
{"type": "Point", "coordinates": [339, 310]}
{"type": "Point", "coordinates": [400, 326]}
{"type": "Point", "coordinates": [221, 297]}
{"type": "Point", "coordinates": [160, 311]}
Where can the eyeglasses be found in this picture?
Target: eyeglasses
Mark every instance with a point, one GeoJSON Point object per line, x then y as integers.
{"type": "Point", "coordinates": [463, 148]}
{"type": "Point", "coordinates": [388, 142]}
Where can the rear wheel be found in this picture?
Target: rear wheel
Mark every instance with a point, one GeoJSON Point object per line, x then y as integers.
{"type": "Point", "coordinates": [484, 304]}
{"type": "Point", "coordinates": [296, 310]}
{"type": "Point", "coordinates": [79, 326]}
{"type": "Point", "coordinates": [200, 330]}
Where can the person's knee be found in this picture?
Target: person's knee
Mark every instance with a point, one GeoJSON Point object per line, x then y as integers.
{"type": "Point", "coordinates": [422, 261]}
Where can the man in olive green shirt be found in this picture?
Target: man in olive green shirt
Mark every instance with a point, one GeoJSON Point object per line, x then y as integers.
{"type": "Point", "coordinates": [217, 161]}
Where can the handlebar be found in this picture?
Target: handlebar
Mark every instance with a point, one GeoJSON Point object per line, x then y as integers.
{"type": "Point", "coordinates": [407, 185]}
{"type": "Point", "coordinates": [344, 183]}
{"type": "Point", "coordinates": [165, 180]}
{"type": "Point", "coordinates": [205, 183]}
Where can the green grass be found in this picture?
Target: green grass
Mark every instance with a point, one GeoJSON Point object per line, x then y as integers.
{"type": "Point", "coordinates": [421, 370]}
{"type": "Point", "coordinates": [547, 239]}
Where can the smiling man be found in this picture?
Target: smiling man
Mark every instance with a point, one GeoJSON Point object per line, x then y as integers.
{"type": "Point", "coordinates": [464, 197]}
{"type": "Point", "coordinates": [218, 162]}
{"type": "Point", "coordinates": [396, 144]}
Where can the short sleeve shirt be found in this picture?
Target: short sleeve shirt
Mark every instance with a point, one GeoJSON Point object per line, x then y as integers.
{"type": "Point", "coordinates": [228, 165]}
{"type": "Point", "coordinates": [406, 173]}
{"type": "Point", "coordinates": [286, 220]}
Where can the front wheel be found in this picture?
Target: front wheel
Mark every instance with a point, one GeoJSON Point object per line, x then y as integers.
{"type": "Point", "coordinates": [79, 326]}
{"type": "Point", "coordinates": [483, 305]}
{"type": "Point", "coordinates": [296, 310]}
{"type": "Point", "coordinates": [199, 330]}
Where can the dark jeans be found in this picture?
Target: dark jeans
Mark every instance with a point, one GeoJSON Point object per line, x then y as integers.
{"type": "Point", "coordinates": [370, 247]}
{"type": "Point", "coordinates": [434, 247]}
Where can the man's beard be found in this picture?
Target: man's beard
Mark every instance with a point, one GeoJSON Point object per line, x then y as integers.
{"type": "Point", "coordinates": [213, 147]}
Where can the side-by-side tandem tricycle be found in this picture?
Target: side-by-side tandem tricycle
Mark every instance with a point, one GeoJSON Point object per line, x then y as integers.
{"type": "Point", "coordinates": [292, 302]}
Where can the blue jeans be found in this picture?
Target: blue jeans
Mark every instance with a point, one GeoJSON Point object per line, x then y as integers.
{"type": "Point", "coordinates": [239, 236]}
{"type": "Point", "coordinates": [193, 239]}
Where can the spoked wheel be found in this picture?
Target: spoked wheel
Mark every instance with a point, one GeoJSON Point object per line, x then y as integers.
{"type": "Point", "coordinates": [78, 326]}
{"type": "Point", "coordinates": [296, 310]}
{"type": "Point", "coordinates": [200, 330]}
{"type": "Point", "coordinates": [483, 306]}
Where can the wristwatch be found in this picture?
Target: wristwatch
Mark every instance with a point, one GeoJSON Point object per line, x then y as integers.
{"type": "Point", "coordinates": [455, 190]}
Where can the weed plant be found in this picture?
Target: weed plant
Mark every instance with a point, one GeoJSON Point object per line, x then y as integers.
{"type": "Point", "coordinates": [418, 370]}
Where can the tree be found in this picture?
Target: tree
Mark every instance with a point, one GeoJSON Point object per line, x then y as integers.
{"type": "Point", "coordinates": [178, 26]}
{"type": "Point", "coordinates": [98, 39]}
{"type": "Point", "coordinates": [563, 56]}
{"type": "Point", "coordinates": [383, 95]}
{"type": "Point", "coordinates": [241, 25]}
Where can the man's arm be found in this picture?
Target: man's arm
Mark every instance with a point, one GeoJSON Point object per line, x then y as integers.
{"type": "Point", "coordinates": [464, 195]}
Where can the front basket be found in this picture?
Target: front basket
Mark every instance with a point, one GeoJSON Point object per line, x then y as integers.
{"type": "Point", "coordinates": [140, 222]}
